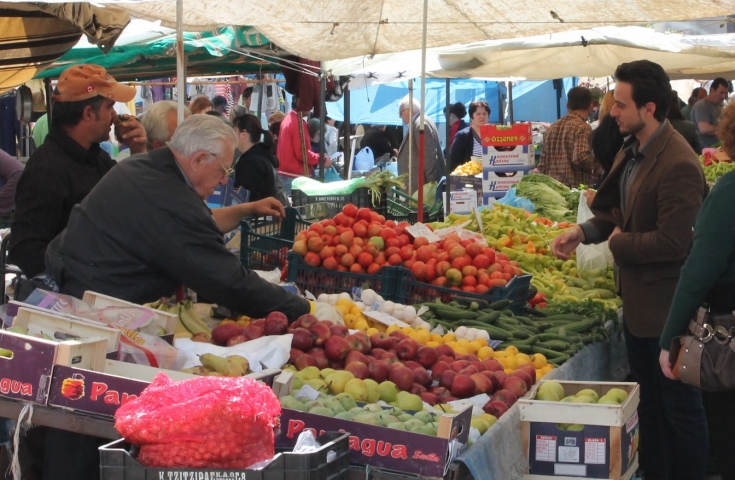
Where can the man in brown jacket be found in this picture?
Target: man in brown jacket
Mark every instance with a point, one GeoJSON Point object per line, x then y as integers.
{"type": "Point", "coordinates": [646, 209]}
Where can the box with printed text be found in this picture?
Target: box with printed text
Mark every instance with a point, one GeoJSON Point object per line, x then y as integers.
{"type": "Point", "coordinates": [515, 155]}
{"type": "Point", "coordinates": [497, 181]}
{"type": "Point", "coordinates": [506, 135]}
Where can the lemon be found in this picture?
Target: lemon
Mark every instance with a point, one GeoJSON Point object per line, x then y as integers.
{"type": "Point", "coordinates": [511, 362]}
{"type": "Point", "coordinates": [424, 336]}
{"type": "Point", "coordinates": [350, 320]}
{"type": "Point", "coordinates": [512, 350]}
{"type": "Point", "coordinates": [523, 359]}
{"type": "Point", "coordinates": [449, 337]}
{"type": "Point", "coordinates": [361, 325]}
{"type": "Point", "coordinates": [538, 360]}
{"type": "Point", "coordinates": [432, 344]}
{"type": "Point", "coordinates": [372, 331]}
{"type": "Point", "coordinates": [485, 352]}
{"type": "Point", "coordinates": [345, 303]}
{"type": "Point", "coordinates": [392, 328]}
{"type": "Point", "coordinates": [477, 345]}
{"type": "Point", "coordinates": [435, 337]}
{"type": "Point", "coordinates": [408, 330]}
{"type": "Point", "coordinates": [356, 310]}
{"type": "Point", "coordinates": [461, 351]}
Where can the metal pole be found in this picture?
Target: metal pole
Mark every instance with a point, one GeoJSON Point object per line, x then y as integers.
{"type": "Point", "coordinates": [410, 135]}
{"type": "Point", "coordinates": [180, 61]}
{"type": "Point", "coordinates": [347, 138]}
{"type": "Point", "coordinates": [422, 138]}
{"type": "Point", "coordinates": [322, 123]}
{"type": "Point", "coordinates": [510, 101]}
{"type": "Point", "coordinates": [261, 95]}
{"type": "Point", "coordinates": [501, 110]}
{"type": "Point", "coordinates": [49, 99]}
{"type": "Point", "coordinates": [448, 100]}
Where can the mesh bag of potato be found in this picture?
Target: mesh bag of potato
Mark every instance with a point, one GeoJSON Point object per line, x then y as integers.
{"type": "Point", "coordinates": [204, 422]}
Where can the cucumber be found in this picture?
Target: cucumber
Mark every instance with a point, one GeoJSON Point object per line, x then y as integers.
{"type": "Point", "coordinates": [446, 312]}
{"type": "Point", "coordinates": [525, 321]}
{"type": "Point", "coordinates": [489, 318]}
{"type": "Point", "coordinates": [501, 304]}
{"type": "Point", "coordinates": [534, 312]}
{"type": "Point", "coordinates": [507, 313]}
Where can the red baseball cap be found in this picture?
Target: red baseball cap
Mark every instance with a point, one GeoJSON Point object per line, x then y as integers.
{"type": "Point", "coordinates": [81, 82]}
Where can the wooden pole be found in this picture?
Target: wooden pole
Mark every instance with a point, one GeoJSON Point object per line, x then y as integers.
{"type": "Point", "coordinates": [302, 140]}
{"type": "Point", "coordinates": [322, 123]}
{"type": "Point", "coordinates": [346, 139]}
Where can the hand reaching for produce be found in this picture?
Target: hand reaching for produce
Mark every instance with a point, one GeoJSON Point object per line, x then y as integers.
{"type": "Point", "coordinates": [324, 311]}
{"type": "Point", "coordinates": [663, 360]}
{"type": "Point", "coordinates": [267, 207]}
{"type": "Point", "coordinates": [565, 243]}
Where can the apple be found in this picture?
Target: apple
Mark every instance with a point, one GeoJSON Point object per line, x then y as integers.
{"type": "Point", "coordinates": [307, 321]}
{"type": "Point", "coordinates": [493, 379]}
{"type": "Point", "coordinates": [259, 323]}
{"type": "Point", "coordinates": [320, 334]}
{"type": "Point", "coordinates": [383, 341]}
{"type": "Point", "coordinates": [224, 331]}
{"type": "Point", "coordinates": [376, 352]}
{"type": "Point", "coordinates": [492, 365]}
{"type": "Point", "coordinates": [445, 350]}
{"type": "Point", "coordinates": [354, 356]}
{"type": "Point", "coordinates": [304, 361]}
{"type": "Point", "coordinates": [411, 364]}
{"type": "Point", "coordinates": [417, 389]}
{"type": "Point", "coordinates": [302, 339]}
{"type": "Point", "coordinates": [446, 359]}
{"type": "Point", "coordinates": [334, 365]}
{"type": "Point", "coordinates": [506, 396]}
{"type": "Point", "coordinates": [293, 354]}
{"type": "Point", "coordinates": [336, 348]}
{"type": "Point", "coordinates": [402, 377]}
{"type": "Point", "coordinates": [478, 365]}
{"type": "Point", "coordinates": [276, 323]}
{"type": "Point", "coordinates": [470, 357]}
{"type": "Point", "coordinates": [427, 356]}
{"type": "Point", "coordinates": [389, 357]}
{"type": "Point", "coordinates": [458, 365]}
{"type": "Point", "coordinates": [468, 370]}
{"type": "Point", "coordinates": [359, 370]}
{"type": "Point", "coordinates": [379, 371]}
{"type": "Point", "coordinates": [320, 356]}
{"type": "Point", "coordinates": [438, 368]}
{"type": "Point", "coordinates": [421, 376]}
{"type": "Point", "coordinates": [495, 408]}
{"type": "Point", "coordinates": [358, 343]}
{"type": "Point", "coordinates": [397, 365]}
{"type": "Point", "coordinates": [430, 398]}
{"type": "Point", "coordinates": [530, 370]}
{"type": "Point", "coordinates": [399, 335]}
{"type": "Point", "coordinates": [237, 339]}
{"type": "Point", "coordinates": [516, 385]}
{"type": "Point", "coordinates": [523, 375]}
{"type": "Point", "coordinates": [253, 331]}
{"type": "Point", "coordinates": [339, 331]}
{"type": "Point", "coordinates": [501, 376]}
{"type": "Point", "coordinates": [446, 379]}
{"type": "Point", "coordinates": [482, 383]}
{"type": "Point", "coordinates": [462, 386]}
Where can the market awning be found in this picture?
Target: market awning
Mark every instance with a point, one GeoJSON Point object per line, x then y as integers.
{"type": "Point", "coordinates": [223, 51]}
{"type": "Point", "coordinates": [327, 30]}
{"type": "Point", "coordinates": [32, 36]}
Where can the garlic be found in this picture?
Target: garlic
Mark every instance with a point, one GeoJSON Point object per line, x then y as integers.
{"type": "Point", "coordinates": [461, 332]}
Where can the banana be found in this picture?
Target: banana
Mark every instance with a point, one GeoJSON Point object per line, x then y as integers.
{"type": "Point", "coordinates": [194, 325]}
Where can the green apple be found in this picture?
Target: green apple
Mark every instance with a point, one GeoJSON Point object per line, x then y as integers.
{"type": "Point", "coordinates": [548, 395]}
{"type": "Point", "coordinates": [584, 399]}
{"type": "Point", "coordinates": [619, 393]}
{"type": "Point", "coordinates": [588, 392]}
{"type": "Point", "coordinates": [568, 399]}
{"type": "Point", "coordinates": [608, 400]}
{"type": "Point", "coordinates": [553, 386]}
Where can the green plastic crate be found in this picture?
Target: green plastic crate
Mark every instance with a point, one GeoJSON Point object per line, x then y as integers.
{"type": "Point", "coordinates": [264, 243]}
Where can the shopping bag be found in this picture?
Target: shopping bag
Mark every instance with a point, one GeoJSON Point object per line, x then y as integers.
{"type": "Point", "coordinates": [331, 175]}
{"type": "Point", "coordinates": [591, 257]}
{"type": "Point", "coordinates": [364, 160]}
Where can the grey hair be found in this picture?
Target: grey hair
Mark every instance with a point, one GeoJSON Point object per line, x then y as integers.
{"type": "Point", "coordinates": [404, 104]}
{"type": "Point", "coordinates": [205, 133]}
{"type": "Point", "coordinates": [155, 121]}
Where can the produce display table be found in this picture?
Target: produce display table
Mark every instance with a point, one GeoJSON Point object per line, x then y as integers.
{"type": "Point", "coordinates": [61, 419]}
{"type": "Point", "coordinates": [498, 455]}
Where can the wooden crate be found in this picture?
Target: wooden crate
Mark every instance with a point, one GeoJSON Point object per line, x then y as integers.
{"type": "Point", "coordinates": [605, 447]}
{"type": "Point", "coordinates": [165, 320]}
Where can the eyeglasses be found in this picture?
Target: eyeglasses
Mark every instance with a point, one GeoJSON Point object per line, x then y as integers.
{"type": "Point", "coordinates": [227, 171]}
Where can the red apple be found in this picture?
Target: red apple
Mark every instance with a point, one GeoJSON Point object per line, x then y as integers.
{"type": "Point", "coordinates": [482, 383]}
{"type": "Point", "coordinates": [276, 323]}
{"type": "Point", "coordinates": [366, 346]}
{"type": "Point", "coordinates": [259, 323]}
{"type": "Point", "coordinates": [442, 393]}
{"type": "Point", "coordinates": [307, 321]}
{"type": "Point", "coordinates": [470, 357]}
{"type": "Point", "coordinates": [417, 389]}
{"type": "Point", "coordinates": [492, 365]}
{"type": "Point", "coordinates": [304, 361]}
{"type": "Point", "coordinates": [531, 371]}
{"type": "Point", "coordinates": [397, 365]}
{"type": "Point", "coordinates": [446, 379]}
{"type": "Point", "coordinates": [293, 355]}
{"type": "Point", "coordinates": [506, 396]}
{"type": "Point", "coordinates": [523, 375]}
{"type": "Point", "coordinates": [458, 365]}
{"type": "Point", "coordinates": [445, 350]}
{"type": "Point", "coordinates": [427, 356]}
{"type": "Point", "coordinates": [468, 370]}
{"type": "Point", "coordinates": [336, 348]}
{"type": "Point", "coordinates": [376, 352]}
{"type": "Point", "coordinates": [402, 377]}
{"type": "Point", "coordinates": [389, 357]}
{"type": "Point", "coordinates": [357, 343]}
{"type": "Point", "coordinates": [336, 365]}
{"type": "Point", "coordinates": [399, 335]}
{"type": "Point", "coordinates": [407, 349]}
{"type": "Point", "coordinates": [359, 370]}
{"type": "Point", "coordinates": [501, 376]}
{"type": "Point", "coordinates": [411, 364]}
{"type": "Point", "coordinates": [430, 398]}
{"type": "Point", "coordinates": [462, 386]}
{"type": "Point", "coordinates": [495, 407]}
{"type": "Point", "coordinates": [445, 359]}
{"type": "Point", "coordinates": [478, 365]}
{"type": "Point", "coordinates": [438, 368]}
{"type": "Point", "coordinates": [355, 356]}
{"type": "Point", "coordinates": [223, 332]}
{"type": "Point", "coordinates": [421, 376]}
{"type": "Point", "coordinates": [302, 339]}
{"type": "Point", "coordinates": [253, 331]}
{"type": "Point", "coordinates": [339, 331]}
{"type": "Point", "coordinates": [383, 341]}
{"type": "Point", "coordinates": [320, 334]}
{"type": "Point", "coordinates": [379, 371]}
{"type": "Point", "coordinates": [493, 379]}
{"type": "Point", "coordinates": [320, 356]}
{"type": "Point", "coordinates": [516, 385]}
{"type": "Point", "coordinates": [236, 340]}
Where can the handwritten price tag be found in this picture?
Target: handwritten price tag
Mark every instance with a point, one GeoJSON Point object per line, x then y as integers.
{"type": "Point", "coordinates": [385, 319]}
{"type": "Point", "coordinates": [421, 230]}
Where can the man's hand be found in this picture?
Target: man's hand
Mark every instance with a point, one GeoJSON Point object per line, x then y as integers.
{"type": "Point", "coordinates": [663, 360]}
{"type": "Point", "coordinates": [565, 243]}
{"type": "Point", "coordinates": [131, 132]}
{"type": "Point", "coordinates": [589, 195]}
{"type": "Point", "coordinates": [616, 231]}
{"type": "Point", "coordinates": [267, 207]}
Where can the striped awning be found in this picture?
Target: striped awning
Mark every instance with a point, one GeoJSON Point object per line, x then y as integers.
{"type": "Point", "coordinates": [33, 36]}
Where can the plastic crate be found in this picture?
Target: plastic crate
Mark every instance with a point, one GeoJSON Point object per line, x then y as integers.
{"type": "Point", "coordinates": [330, 462]}
{"type": "Point", "coordinates": [410, 291]}
{"type": "Point", "coordinates": [403, 207]}
{"type": "Point", "coordinates": [360, 198]}
{"type": "Point", "coordinates": [318, 280]}
{"type": "Point", "coordinates": [263, 240]}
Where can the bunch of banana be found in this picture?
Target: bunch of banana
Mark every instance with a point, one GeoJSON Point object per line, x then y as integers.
{"type": "Point", "coordinates": [189, 322]}
{"type": "Point", "coordinates": [216, 366]}
{"type": "Point", "coordinates": [473, 167]}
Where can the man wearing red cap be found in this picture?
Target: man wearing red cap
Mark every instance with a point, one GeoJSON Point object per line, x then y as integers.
{"type": "Point", "coordinates": [65, 168]}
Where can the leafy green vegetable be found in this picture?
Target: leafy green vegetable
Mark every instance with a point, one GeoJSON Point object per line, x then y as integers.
{"type": "Point", "coordinates": [552, 199]}
{"type": "Point", "coordinates": [588, 308]}
{"type": "Point", "coordinates": [383, 181]}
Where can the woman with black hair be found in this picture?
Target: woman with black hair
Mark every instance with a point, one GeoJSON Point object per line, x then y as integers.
{"type": "Point", "coordinates": [256, 170]}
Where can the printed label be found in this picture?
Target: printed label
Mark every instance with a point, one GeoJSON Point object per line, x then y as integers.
{"type": "Point", "coordinates": [545, 448]}
{"type": "Point", "coordinates": [594, 451]}
{"type": "Point", "coordinates": [421, 230]}
{"type": "Point", "coordinates": [569, 454]}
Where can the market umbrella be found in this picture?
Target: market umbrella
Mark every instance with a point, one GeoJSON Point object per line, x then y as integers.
{"type": "Point", "coordinates": [32, 36]}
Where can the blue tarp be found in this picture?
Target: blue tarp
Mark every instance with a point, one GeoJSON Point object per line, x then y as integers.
{"type": "Point", "coordinates": [533, 101]}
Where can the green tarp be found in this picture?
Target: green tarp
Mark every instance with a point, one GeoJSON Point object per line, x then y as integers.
{"type": "Point", "coordinates": [208, 54]}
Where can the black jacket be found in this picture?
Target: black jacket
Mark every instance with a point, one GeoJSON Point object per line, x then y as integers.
{"type": "Point", "coordinates": [143, 231]}
{"type": "Point", "coordinates": [606, 141]}
{"type": "Point", "coordinates": [378, 141]}
{"type": "Point", "coordinates": [688, 130]}
{"type": "Point", "coordinates": [255, 172]}
{"type": "Point", "coordinates": [59, 174]}
{"type": "Point", "coordinates": [462, 147]}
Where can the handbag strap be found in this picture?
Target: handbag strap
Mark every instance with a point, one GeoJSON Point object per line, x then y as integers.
{"type": "Point", "coordinates": [705, 330]}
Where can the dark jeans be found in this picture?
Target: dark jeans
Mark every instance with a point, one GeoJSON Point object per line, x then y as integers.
{"type": "Point", "coordinates": [672, 421]}
{"type": "Point", "coordinates": [722, 422]}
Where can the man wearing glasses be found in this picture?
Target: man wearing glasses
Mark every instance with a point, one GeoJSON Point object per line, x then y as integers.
{"type": "Point", "coordinates": [433, 155]}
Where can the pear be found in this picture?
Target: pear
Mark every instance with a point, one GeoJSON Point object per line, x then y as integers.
{"type": "Point", "coordinates": [563, 426]}
{"type": "Point", "coordinates": [326, 372]}
{"type": "Point", "coordinates": [348, 403]}
{"type": "Point", "coordinates": [490, 419]}
{"type": "Point", "coordinates": [404, 417]}
{"type": "Point", "coordinates": [369, 418]}
{"type": "Point", "coordinates": [356, 410]}
{"type": "Point", "coordinates": [409, 401]}
{"type": "Point", "coordinates": [18, 329]}
{"type": "Point", "coordinates": [317, 384]}
{"type": "Point", "coordinates": [322, 411]}
{"type": "Point", "coordinates": [198, 370]}
{"type": "Point", "coordinates": [220, 365]}
{"type": "Point", "coordinates": [424, 416]}
{"type": "Point", "coordinates": [388, 391]}
{"type": "Point", "coordinates": [575, 428]}
{"type": "Point", "coordinates": [396, 412]}
{"type": "Point", "coordinates": [336, 381]}
{"type": "Point", "coordinates": [397, 426]}
{"type": "Point", "coordinates": [309, 373]}
{"type": "Point", "coordinates": [344, 416]}
{"type": "Point", "coordinates": [373, 407]}
{"type": "Point", "coordinates": [424, 429]}
{"type": "Point", "coordinates": [588, 392]}
{"type": "Point", "coordinates": [292, 403]}
{"type": "Point", "coordinates": [413, 423]}
{"type": "Point", "coordinates": [386, 417]}
{"type": "Point", "coordinates": [297, 383]}
{"type": "Point", "coordinates": [480, 424]}
{"type": "Point", "coordinates": [357, 389]}
{"type": "Point", "coordinates": [334, 405]}
{"type": "Point", "coordinates": [241, 362]}
{"type": "Point", "coordinates": [373, 390]}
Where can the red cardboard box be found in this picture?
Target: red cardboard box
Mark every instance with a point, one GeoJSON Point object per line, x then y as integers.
{"type": "Point", "coordinates": [506, 135]}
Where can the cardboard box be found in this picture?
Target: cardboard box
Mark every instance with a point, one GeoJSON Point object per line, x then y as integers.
{"type": "Point", "coordinates": [382, 447]}
{"type": "Point", "coordinates": [26, 374]}
{"type": "Point", "coordinates": [165, 320]}
{"type": "Point", "coordinates": [497, 181]}
{"type": "Point", "coordinates": [460, 189]}
{"type": "Point", "coordinates": [604, 447]}
{"type": "Point", "coordinates": [506, 135]}
{"type": "Point", "coordinates": [517, 155]}
{"type": "Point", "coordinates": [103, 392]}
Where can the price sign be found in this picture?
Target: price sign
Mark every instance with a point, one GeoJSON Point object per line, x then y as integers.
{"type": "Point", "coordinates": [421, 230]}
{"type": "Point", "coordinates": [385, 319]}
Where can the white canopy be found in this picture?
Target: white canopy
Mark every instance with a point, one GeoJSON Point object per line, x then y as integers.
{"type": "Point", "coordinates": [328, 29]}
{"type": "Point", "coordinates": [593, 53]}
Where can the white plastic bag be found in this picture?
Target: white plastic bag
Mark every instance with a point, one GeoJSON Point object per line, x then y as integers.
{"type": "Point", "coordinates": [364, 160]}
{"type": "Point", "coordinates": [591, 257]}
